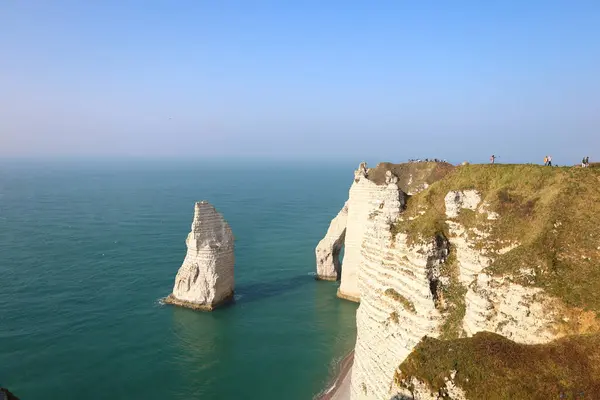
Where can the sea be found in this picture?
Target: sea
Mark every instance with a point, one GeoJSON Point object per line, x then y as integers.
{"type": "Point", "coordinates": [88, 250]}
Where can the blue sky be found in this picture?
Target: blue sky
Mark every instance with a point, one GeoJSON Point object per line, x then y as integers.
{"type": "Point", "coordinates": [381, 80]}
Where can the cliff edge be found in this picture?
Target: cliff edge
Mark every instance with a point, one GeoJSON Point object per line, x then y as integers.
{"type": "Point", "coordinates": [487, 264]}
{"type": "Point", "coordinates": [370, 189]}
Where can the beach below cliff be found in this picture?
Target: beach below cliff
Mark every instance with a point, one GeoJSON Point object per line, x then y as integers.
{"type": "Point", "coordinates": [339, 388]}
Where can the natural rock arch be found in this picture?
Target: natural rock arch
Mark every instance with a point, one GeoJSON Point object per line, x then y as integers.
{"type": "Point", "coordinates": [329, 265]}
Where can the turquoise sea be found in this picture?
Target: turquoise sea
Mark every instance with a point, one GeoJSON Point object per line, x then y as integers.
{"type": "Point", "coordinates": [88, 249]}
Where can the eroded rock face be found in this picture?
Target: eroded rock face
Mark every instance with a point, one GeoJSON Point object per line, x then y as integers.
{"type": "Point", "coordinates": [365, 203]}
{"type": "Point", "coordinates": [370, 189]}
{"type": "Point", "coordinates": [522, 314]}
{"type": "Point", "coordinates": [397, 308]}
{"type": "Point", "coordinates": [401, 290]}
{"type": "Point", "coordinates": [509, 257]}
{"type": "Point", "coordinates": [457, 200]}
{"type": "Point", "coordinates": [328, 249]}
{"type": "Point", "coordinates": [206, 277]}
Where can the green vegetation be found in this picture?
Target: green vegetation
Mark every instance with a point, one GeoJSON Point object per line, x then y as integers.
{"type": "Point", "coordinates": [453, 299]}
{"type": "Point", "coordinates": [407, 304]}
{"type": "Point", "coordinates": [411, 176]}
{"type": "Point", "coordinates": [363, 387]}
{"type": "Point", "coordinates": [554, 213]}
{"type": "Point", "coordinates": [489, 366]}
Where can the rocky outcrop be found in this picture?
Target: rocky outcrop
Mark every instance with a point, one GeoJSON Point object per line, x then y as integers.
{"type": "Point", "coordinates": [328, 250]}
{"type": "Point", "coordinates": [370, 189]}
{"type": "Point", "coordinates": [365, 203]}
{"type": "Point", "coordinates": [523, 314]}
{"type": "Point", "coordinates": [461, 258]}
{"type": "Point", "coordinates": [457, 200]}
{"type": "Point", "coordinates": [206, 277]}
{"type": "Point", "coordinates": [5, 394]}
{"type": "Point", "coordinates": [408, 291]}
{"type": "Point", "coordinates": [397, 308]}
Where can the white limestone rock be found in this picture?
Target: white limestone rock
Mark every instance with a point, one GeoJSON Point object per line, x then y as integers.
{"type": "Point", "coordinates": [397, 306]}
{"type": "Point", "coordinates": [457, 200]}
{"type": "Point", "coordinates": [206, 277]}
{"type": "Point", "coordinates": [522, 314]}
{"type": "Point", "coordinates": [361, 172]}
{"type": "Point", "coordinates": [470, 261]}
{"type": "Point", "coordinates": [366, 201]}
{"type": "Point", "coordinates": [388, 329]}
{"type": "Point", "coordinates": [328, 249]}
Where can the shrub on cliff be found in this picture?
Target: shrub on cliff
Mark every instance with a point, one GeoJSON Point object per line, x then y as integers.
{"type": "Point", "coordinates": [489, 366]}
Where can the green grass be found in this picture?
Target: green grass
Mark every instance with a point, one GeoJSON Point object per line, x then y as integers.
{"type": "Point", "coordinates": [411, 176]}
{"type": "Point", "coordinates": [554, 213]}
{"type": "Point", "coordinates": [407, 304]}
{"type": "Point", "coordinates": [489, 366]}
{"type": "Point", "coordinates": [453, 294]}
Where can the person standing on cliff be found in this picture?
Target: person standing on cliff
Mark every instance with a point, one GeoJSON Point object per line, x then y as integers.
{"type": "Point", "coordinates": [492, 159]}
{"type": "Point", "coordinates": [545, 160]}
{"type": "Point", "coordinates": [549, 161]}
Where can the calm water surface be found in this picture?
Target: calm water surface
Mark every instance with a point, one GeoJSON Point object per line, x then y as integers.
{"type": "Point", "coordinates": [88, 249]}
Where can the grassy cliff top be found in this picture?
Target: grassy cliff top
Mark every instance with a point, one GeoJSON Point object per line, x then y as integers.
{"type": "Point", "coordinates": [553, 213]}
{"type": "Point", "coordinates": [489, 366]}
{"type": "Point", "coordinates": [411, 176]}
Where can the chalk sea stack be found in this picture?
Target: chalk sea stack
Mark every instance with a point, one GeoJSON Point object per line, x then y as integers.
{"type": "Point", "coordinates": [206, 277]}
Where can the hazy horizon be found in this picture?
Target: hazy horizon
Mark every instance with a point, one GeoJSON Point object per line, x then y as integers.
{"type": "Point", "coordinates": [342, 81]}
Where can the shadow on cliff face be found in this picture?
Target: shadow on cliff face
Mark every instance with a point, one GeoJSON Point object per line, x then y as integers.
{"type": "Point", "coordinates": [260, 290]}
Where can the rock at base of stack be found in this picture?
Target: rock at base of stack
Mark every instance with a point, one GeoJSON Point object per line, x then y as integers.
{"type": "Point", "coordinates": [206, 277]}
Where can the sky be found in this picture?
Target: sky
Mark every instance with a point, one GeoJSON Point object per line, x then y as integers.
{"type": "Point", "coordinates": [307, 80]}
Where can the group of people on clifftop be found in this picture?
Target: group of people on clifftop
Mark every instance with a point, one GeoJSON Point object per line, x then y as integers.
{"type": "Point", "coordinates": [417, 160]}
{"type": "Point", "coordinates": [585, 162]}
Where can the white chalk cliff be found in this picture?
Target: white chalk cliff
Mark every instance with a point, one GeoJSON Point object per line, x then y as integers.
{"type": "Point", "coordinates": [405, 289]}
{"type": "Point", "coordinates": [205, 280]}
{"type": "Point", "coordinates": [365, 198]}
{"type": "Point", "coordinates": [369, 191]}
{"type": "Point", "coordinates": [400, 304]}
